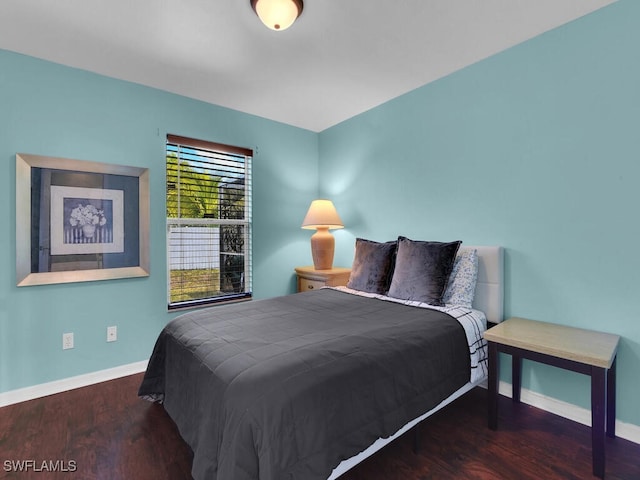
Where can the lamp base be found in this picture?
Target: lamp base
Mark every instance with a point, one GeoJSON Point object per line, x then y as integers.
{"type": "Point", "coordinates": [322, 248]}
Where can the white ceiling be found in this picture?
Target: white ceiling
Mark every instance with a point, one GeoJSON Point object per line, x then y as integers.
{"type": "Point", "coordinates": [340, 58]}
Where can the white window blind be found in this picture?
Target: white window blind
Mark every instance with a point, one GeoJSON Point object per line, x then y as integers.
{"type": "Point", "coordinates": [208, 222]}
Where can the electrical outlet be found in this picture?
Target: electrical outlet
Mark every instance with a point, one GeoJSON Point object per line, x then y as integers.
{"type": "Point", "coordinates": [112, 334]}
{"type": "Point", "coordinates": [67, 341]}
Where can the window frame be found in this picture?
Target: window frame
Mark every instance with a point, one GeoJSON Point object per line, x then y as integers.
{"type": "Point", "coordinates": [246, 282]}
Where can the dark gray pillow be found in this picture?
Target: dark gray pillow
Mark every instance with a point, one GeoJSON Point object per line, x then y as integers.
{"type": "Point", "coordinates": [372, 266]}
{"type": "Point", "coordinates": [422, 270]}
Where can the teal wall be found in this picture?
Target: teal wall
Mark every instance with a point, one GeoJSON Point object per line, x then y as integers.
{"type": "Point", "coordinates": [52, 110]}
{"type": "Point", "coordinates": [536, 149]}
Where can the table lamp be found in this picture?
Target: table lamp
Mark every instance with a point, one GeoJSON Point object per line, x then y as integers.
{"type": "Point", "coordinates": [322, 216]}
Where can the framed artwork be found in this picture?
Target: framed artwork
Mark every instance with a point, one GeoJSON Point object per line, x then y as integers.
{"type": "Point", "coordinates": [80, 221]}
{"type": "Point", "coordinates": [86, 220]}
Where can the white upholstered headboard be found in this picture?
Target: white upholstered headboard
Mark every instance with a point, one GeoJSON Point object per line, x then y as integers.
{"type": "Point", "coordinates": [489, 296]}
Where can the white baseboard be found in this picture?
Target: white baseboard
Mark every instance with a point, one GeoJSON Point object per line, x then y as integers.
{"type": "Point", "coordinates": [569, 411]}
{"type": "Point", "coordinates": [58, 386]}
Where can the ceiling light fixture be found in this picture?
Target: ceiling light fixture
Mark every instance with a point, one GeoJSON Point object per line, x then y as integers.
{"type": "Point", "coordinates": [277, 14]}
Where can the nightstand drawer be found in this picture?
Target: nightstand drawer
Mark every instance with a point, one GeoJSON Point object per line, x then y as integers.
{"type": "Point", "coordinates": [312, 279]}
{"type": "Point", "coordinates": [306, 284]}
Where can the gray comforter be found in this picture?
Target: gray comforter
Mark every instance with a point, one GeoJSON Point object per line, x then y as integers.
{"type": "Point", "coordinates": [286, 388]}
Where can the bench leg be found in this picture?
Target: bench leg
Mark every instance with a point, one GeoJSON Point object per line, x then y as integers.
{"type": "Point", "coordinates": [494, 372]}
{"type": "Point", "coordinates": [516, 377]}
{"type": "Point", "coordinates": [598, 408]}
{"type": "Point", "coordinates": [611, 400]}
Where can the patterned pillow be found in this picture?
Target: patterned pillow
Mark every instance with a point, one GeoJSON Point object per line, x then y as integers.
{"type": "Point", "coordinates": [422, 270]}
{"type": "Point", "coordinates": [462, 282]}
{"type": "Point", "coordinates": [372, 266]}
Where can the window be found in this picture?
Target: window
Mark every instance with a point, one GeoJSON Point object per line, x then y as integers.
{"type": "Point", "coordinates": [208, 222]}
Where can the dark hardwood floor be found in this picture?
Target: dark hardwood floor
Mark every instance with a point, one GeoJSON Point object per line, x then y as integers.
{"type": "Point", "coordinates": [105, 432]}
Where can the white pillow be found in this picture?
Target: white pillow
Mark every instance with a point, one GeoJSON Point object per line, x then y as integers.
{"type": "Point", "coordinates": [462, 282]}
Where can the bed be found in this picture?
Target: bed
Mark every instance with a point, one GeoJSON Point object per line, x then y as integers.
{"type": "Point", "coordinates": [305, 386]}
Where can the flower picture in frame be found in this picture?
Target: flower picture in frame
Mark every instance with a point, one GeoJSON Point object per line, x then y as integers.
{"type": "Point", "coordinates": [86, 220]}
{"type": "Point", "coordinates": [78, 220]}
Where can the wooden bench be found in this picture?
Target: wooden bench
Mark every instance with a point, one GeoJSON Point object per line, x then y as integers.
{"type": "Point", "coordinates": [579, 350]}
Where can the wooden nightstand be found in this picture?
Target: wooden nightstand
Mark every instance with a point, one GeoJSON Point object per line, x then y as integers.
{"type": "Point", "coordinates": [309, 278]}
